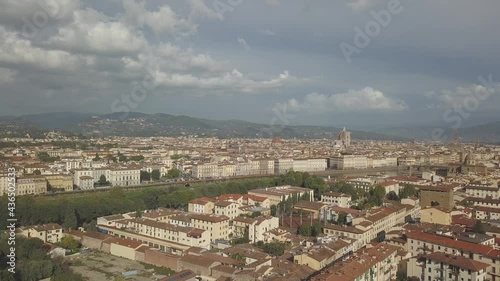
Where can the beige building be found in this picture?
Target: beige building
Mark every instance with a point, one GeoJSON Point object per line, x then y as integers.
{"type": "Point", "coordinates": [124, 248]}
{"type": "Point", "coordinates": [486, 213]}
{"type": "Point", "coordinates": [218, 226]}
{"type": "Point", "coordinates": [266, 166]}
{"type": "Point", "coordinates": [368, 227]}
{"type": "Point", "coordinates": [205, 170]}
{"type": "Point", "coordinates": [128, 176]}
{"type": "Point", "coordinates": [281, 193]}
{"type": "Point", "coordinates": [227, 208]}
{"type": "Point", "coordinates": [372, 264]}
{"type": "Point", "coordinates": [441, 266]}
{"type": "Point", "coordinates": [336, 199]}
{"type": "Point", "coordinates": [322, 255]}
{"type": "Point", "coordinates": [51, 233]}
{"type": "Point", "coordinates": [283, 166]}
{"type": "Point", "coordinates": [203, 205]}
{"type": "Point", "coordinates": [348, 162]}
{"type": "Point", "coordinates": [4, 184]}
{"type": "Point", "coordinates": [423, 243]}
{"type": "Point", "coordinates": [435, 215]}
{"type": "Point", "coordinates": [309, 165]}
{"type": "Point", "coordinates": [255, 228]}
{"type": "Point", "coordinates": [60, 181]}
{"type": "Point", "coordinates": [188, 236]}
{"type": "Point", "coordinates": [31, 185]}
{"type": "Point", "coordinates": [482, 191]}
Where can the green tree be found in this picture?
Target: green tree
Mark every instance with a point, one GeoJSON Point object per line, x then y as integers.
{"type": "Point", "coordinates": [401, 276]}
{"type": "Point", "coordinates": [69, 243]}
{"type": "Point", "coordinates": [274, 210]}
{"type": "Point", "coordinates": [238, 257]}
{"type": "Point", "coordinates": [407, 191]}
{"type": "Point", "coordinates": [102, 180]}
{"type": "Point", "coordinates": [305, 230]}
{"type": "Point", "coordinates": [479, 228]}
{"type": "Point", "coordinates": [275, 249]}
{"type": "Point", "coordinates": [155, 174]}
{"type": "Point", "coordinates": [137, 158]}
{"type": "Point", "coordinates": [122, 158]}
{"type": "Point", "coordinates": [96, 158]}
{"type": "Point", "coordinates": [342, 218]}
{"type": "Point", "coordinates": [317, 229]}
{"type": "Point", "coordinates": [393, 196]}
{"type": "Point", "coordinates": [145, 176]}
{"type": "Point", "coordinates": [173, 173]}
{"type": "Point", "coordinates": [37, 172]}
{"type": "Point", "coordinates": [70, 220]}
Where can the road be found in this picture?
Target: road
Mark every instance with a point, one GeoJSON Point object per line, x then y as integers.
{"type": "Point", "coordinates": [389, 170]}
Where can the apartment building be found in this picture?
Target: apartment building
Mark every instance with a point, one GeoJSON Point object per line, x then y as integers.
{"type": "Point", "coordinates": [390, 186]}
{"type": "Point", "coordinates": [283, 165]}
{"type": "Point", "coordinates": [254, 227]}
{"type": "Point", "coordinates": [322, 255]}
{"type": "Point", "coordinates": [227, 208]}
{"type": "Point", "coordinates": [31, 185]}
{"type": "Point", "coordinates": [188, 236]}
{"type": "Point", "coordinates": [203, 205]}
{"type": "Point", "coordinates": [435, 215]}
{"type": "Point", "coordinates": [419, 243]}
{"type": "Point", "coordinates": [4, 183]}
{"type": "Point", "coordinates": [348, 162]}
{"type": "Point", "coordinates": [441, 266]}
{"type": "Point", "coordinates": [51, 233]}
{"type": "Point", "coordinates": [372, 225]}
{"type": "Point", "coordinates": [61, 181]}
{"type": "Point", "coordinates": [205, 170]}
{"type": "Point", "coordinates": [486, 213]}
{"type": "Point", "coordinates": [281, 193]}
{"type": "Point", "coordinates": [336, 199]}
{"type": "Point", "coordinates": [482, 191]}
{"type": "Point", "coordinates": [266, 166]}
{"type": "Point", "coordinates": [247, 168]}
{"type": "Point", "coordinates": [378, 263]}
{"type": "Point", "coordinates": [484, 202]}
{"type": "Point", "coordinates": [122, 176]}
{"type": "Point", "coordinates": [128, 176]}
{"type": "Point", "coordinates": [218, 226]}
{"type": "Point", "coordinates": [309, 165]}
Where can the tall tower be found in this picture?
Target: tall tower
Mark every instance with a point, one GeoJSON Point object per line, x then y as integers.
{"type": "Point", "coordinates": [344, 137]}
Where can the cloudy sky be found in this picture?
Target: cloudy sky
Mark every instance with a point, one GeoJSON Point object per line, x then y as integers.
{"type": "Point", "coordinates": [325, 62]}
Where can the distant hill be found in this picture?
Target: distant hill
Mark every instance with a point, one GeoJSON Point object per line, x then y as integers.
{"type": "Point", "coordinates": [145, 125]}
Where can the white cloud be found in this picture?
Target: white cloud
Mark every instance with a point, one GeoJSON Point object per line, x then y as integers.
{"type": "Point", "coordinates": [362, 5]}
{"type": "Point", "coordinates": [201, 11]}
{"type": "Point", "coordinates": [19, 52]}
{"type": "Point", "coordinates": [268, 32]}
{"type": "Point", "coordinates": [163, 21]}
{"type": "Point", "coordinates": [243, 44]}
{"type": "Point", "coordinates": [367, 99]}
{"type": "Point", "coordinates": [448, 98]}
{"type": "Point", "coordinates": [93, 32]}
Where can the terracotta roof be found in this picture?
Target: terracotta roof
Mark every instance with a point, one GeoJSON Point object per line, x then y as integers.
{"type": "Point", "coordinates": [459, 261]}
{"type": "Point", "coordinates": [125, 242]}
{"type": "Point", "coordinates": [456, 244]}
{"type": "Point", "coordinates": [444, 188]}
